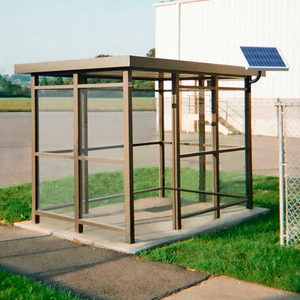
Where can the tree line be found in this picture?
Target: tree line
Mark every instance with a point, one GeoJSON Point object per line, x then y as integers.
{"type": "Point", "coordinates": [9, 87]}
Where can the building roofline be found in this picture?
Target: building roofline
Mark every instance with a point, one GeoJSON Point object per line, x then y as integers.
{"type": "Point", "coordinates": [176, 2]}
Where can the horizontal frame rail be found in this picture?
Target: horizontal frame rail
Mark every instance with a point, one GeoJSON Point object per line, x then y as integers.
{"type": "Point", "coordinates": [204, 192]}
{"type": "Point", "coordinates": [200, 212]}
{"type": "Point", "coordinates": [100, 85]}
{"type": "Point", "coordinates": [199, 153]}
{"type": "Point", "coordinates": [54, 87]}
{"type": "Point", "coordinates": [80, 86]}
{"type": "Point", "coordinates": [55, 154]}
{"type": "Point", "coordinates": [197, 144]}
{"type": "Point", "coordinates": [211, 209]}
{"type": "Point", "coordinates": [101, 159]}
{"type": "Point", "coordinates": [224, 88]}
{"type": "Point", "coordinates": [60, 153]}
{"type": "Point", "coordinates": [105, 147]}
{"type": "Point", "coordinates": [101, 225]}
{"type": "Point", "coordinates": [192, 154]}
{"type": "Point", "coordinates": [54, 216]}
{"type": "Point", "coordinates": [153, 90]}
{"type": "Point", "coordinates": [232, 149]}
{"type": "Point", "coordinates": [225, 205]}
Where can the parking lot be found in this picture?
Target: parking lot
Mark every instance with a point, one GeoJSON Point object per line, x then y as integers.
{"type": "Point", "coordinates": [15, 142]}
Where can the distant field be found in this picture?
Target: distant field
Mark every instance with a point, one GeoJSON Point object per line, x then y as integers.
{"type": "Point", "coordinates": [66, 104]}
{"type": "Point", "coordinates": [15, 104]}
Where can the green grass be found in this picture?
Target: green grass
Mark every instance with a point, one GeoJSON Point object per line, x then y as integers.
{"type": "Point", "coordinates": [16, 287]}
{"type": "Point", "coordinates": [15, 203]}
{"type": "Point", "coordinates": [66, 104]}
{"type": "Point", "coordinates": [249, 252]}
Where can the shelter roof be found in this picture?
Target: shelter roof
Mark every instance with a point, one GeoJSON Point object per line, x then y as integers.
{"type": "Point", "coordinates": [143, 68]}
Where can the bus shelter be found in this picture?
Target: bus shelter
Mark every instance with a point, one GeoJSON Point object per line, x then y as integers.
{"type": "Point", "coordinates": [190, 176]}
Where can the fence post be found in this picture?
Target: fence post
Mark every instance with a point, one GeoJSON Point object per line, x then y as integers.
{"type": "Point", "coordinates": [281, 177]}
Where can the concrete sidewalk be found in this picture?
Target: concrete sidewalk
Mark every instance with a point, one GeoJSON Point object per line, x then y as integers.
{"type": "Point", "coordinates": [105, 274]}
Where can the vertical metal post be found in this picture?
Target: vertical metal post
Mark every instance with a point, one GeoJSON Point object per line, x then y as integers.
{"type": "Point", "coordinates": [248, 143]}
{"type": "Point", "coordinates": [35, 148]}
{"type": "Point", "coordinates": [281, 177]}
{"type": "Point", "coordinates": [215, 143]}
{"type": "Point", "coordinates": [161, 126]}
{"type": "Point", "coordinates": [128, 155]}
{"type": "Point", "coordinates": [77, 153]}
{"type": "Point", "coordinates": [84, 141]}
{"type": "Point", "coordinates": [176, 152]}
{"type": "Point", "coordinates": [201, 139]}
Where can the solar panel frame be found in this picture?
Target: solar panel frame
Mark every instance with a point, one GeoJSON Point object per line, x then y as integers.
{"type": "Point", "coordinates": [264, 60]}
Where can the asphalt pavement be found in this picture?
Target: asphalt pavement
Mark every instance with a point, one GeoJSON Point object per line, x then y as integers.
{"type": "Point", "coordinates": [95, 273]}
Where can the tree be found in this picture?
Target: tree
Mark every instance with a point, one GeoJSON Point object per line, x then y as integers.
{"type": "Point", "coordinates": [44, 81]}
{"type": "Point", "coordinates": [68, 81]}
{"type": "Point", "coordinates": [151, 53]}
{"type": "Point", "coordinates": [103, 55]}
{"type": "Point", "coordinates": [57, 81]}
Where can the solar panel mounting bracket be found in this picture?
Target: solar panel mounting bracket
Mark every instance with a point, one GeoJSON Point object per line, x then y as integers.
{"type": "Point", "coordinates": [251, 81]}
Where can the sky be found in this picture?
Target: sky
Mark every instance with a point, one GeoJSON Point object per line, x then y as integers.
{"type": "Point", "coordinates": [51, 30]}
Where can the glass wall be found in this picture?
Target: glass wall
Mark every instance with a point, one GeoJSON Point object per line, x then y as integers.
{"type": "Point", "coordinates": [102, 155]}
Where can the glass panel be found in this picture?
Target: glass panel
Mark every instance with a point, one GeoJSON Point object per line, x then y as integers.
{"type": "Point", "coordinates": [104, 120]}
{"type": "Point", "coordinates": [168, 112]}
{"type": "Point", "coordinates": [55, 80]}
{"type": "Point", "coordinates": [113, 153]}
{"type": "Point", "coordinates": [147, 206]}
{"type": "Point", "coordinates": [105, 179]}
{"type": "Point", "coordinates": [145, 129]}
{"type": "Point", "coordinates": [195, 122]}
{"type": "Point", "coordinates": [168, 169]}
{"type": "Point", "coordinates": [144, 101]}
{"type": "Point", "coordinates": [232, 175]}
{"type": "Point", "coordinates": [102, 137]}
{"type": "Point", "coordinates": [55, 120]}
{"type": "Point", "coordinates": [231, 115]}
{"type": "Point", "coordinates": [196, 174]}
{"type": "Point", "coordinates": [56, 186]}
{"type": "Point", "coordinates": [145, 126]}
{"type": "Point", "coordinates": [146, 170]}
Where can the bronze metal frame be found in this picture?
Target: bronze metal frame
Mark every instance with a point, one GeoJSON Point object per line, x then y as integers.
{"type": "Point", "coordinates": [127, 68]}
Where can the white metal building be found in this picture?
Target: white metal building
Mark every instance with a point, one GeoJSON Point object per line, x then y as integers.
{"type": "Point", "coordinates": [210, 30]}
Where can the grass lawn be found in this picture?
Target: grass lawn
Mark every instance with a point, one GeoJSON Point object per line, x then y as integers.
{"type": "Point", "coordinates": [249, 252]}
{"type": "Point", "coordinates": [66, 104]}
{"type": "Point", "coordinates": [15, 287]}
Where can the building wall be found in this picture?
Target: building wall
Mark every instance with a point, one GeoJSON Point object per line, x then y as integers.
{"type": "Point", "coordinates": [210, 30]}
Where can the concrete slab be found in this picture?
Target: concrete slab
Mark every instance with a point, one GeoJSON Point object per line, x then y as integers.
{"type": "Point", "coordinates": [153, 224]}
{"type": "Point", "coordinates": [225, 288]}
{"type": "Point", "coordinates": [91, 272]}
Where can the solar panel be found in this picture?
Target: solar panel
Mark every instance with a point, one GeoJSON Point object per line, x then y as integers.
{"type": "Point", "coordinates": [263, 59]}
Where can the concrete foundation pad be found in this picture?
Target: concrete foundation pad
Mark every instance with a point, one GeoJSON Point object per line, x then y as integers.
{"type": "Point", "coordinates": [153, 225]}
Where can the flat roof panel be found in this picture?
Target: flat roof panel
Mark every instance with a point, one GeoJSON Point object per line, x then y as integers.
{"type": "Point", "coordinates": [74, 65]}
{"type": "Point", "coordinates": [136, 63]}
